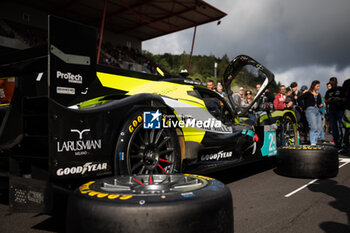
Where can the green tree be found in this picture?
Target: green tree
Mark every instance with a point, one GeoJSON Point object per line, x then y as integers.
{"type": "Point", "coordinates": [202, 67]}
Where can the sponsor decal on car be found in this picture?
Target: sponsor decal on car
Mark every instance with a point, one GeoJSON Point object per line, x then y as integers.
{"type": "Point", "coordinates": [87, 167]}
{"type": "Point", "coordinates": [35, 197]}
{"type": "Point", "coordinates": [71, 78]}
{"type": "Point", "coordinates": [217, 156]}
{"type": "Point", "coordinates": [20, 196]}
{"type": "Point", "coordinates": [121, 156]}
{"type": "Point", "coordinates": [80, 146]}
{"type": "Point", "coordinates": [65, 90]}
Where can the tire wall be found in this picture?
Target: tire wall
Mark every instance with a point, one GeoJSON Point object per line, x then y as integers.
{"type": "Point", "coordinates": [307, 161]}
{"type": "Point", "coordinates": [208, 209]}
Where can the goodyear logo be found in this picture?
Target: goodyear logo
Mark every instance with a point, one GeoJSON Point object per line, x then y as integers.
{"type": "Point", "coordinates": [85, 189]}
{"type": "Point", "coordinates": [151, 120]}
{"type": "Point", "coordinates": [302, 147]}
{"type": "Point", "coordinates": [198, 176]}
{"type": "Point", "coordinates": [135, 123]}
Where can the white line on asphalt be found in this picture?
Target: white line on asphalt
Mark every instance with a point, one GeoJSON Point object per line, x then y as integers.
{"type": "Point", "coordinates": [302, 187]}
{"type": "Point", "coordinates": [345, 161]}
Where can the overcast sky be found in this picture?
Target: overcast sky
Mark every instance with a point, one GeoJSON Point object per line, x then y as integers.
{"type": "Point", "coordinates": [298, 40]}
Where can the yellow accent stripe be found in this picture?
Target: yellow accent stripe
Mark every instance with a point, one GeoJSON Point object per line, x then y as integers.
{"type": "Point", "coordinates": [135, 86]}
{"type": "Point", "coordinates": [177, 91]}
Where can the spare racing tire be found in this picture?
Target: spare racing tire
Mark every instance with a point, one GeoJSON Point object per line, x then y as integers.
{"type": "Point", "coordinates": [151, 203]}
{"type": "Point", "coordinates": [306, 161]}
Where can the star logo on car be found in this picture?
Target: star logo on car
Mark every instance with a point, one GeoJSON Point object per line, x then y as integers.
{"type": "Point", "coordinates": [156, 115]}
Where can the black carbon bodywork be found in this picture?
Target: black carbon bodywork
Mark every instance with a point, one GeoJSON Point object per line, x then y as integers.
{"type": "Point", "coordinates": [53, 146]}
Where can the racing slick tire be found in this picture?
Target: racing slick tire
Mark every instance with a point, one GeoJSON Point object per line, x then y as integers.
{"type": "Point", "coordinates": [172, 203]}
{"type": "Point", "coordinates": [307, 161]}
{"type": "Point", "coordinates": [147, 151]}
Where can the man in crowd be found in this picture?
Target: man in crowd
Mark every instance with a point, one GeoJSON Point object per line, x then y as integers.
{"type": "Point", "coordinates": [289, 103]}
{"type": "Point", "coordinates": [303, 89]}
{"type": "Point", "coordinates": [238, 97]}
{"type": "Point", "coordinates": [258, 86]}
{"type": "Point", "coordinates": [295, 93]}
{"type": "Point", "coordinates": [210, 84]}
{"type": "Point", "coordinates": [327, 124]}
{"type": "Point", "coordinates": [219, 89]}
{"type": "Point", "coordinates": [7, 88]}
{"type": "Point", "coordinates": [269, 95]}
{"type": "Point", "coordinates": [280, 98]}
{"type": "Point", "coordinates": [346, 117]}
{"type": "Point", "coordinates": [335, 99]}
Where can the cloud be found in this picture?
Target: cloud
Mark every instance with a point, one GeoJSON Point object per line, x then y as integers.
{"type": "Point", "coordinates": [283, 35]}
{"type": "Point", "coordinates": [169, 43]}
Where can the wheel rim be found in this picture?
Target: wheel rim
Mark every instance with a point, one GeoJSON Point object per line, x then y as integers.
{"type": "Point", "coordinates": [151, 151]}
{"type": "Point", "coordinates": [154, 184]}
{"type": "Point", "coordinates": [289, 135]}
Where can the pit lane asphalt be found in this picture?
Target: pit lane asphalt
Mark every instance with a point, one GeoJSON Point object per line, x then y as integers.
{"type": "Point", "coordinates": [263, 202]}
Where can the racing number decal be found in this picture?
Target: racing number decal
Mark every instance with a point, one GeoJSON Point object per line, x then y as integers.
{"type": "Point", "coordinates": [269, 148]}
{"type": "Point", "coordinates": [135, 123]}
{"type": "Point", "coordinates": [272, 140]}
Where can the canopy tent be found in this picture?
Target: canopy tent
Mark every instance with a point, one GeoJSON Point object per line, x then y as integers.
{"type": "Point", "coordinates": [140, 19]}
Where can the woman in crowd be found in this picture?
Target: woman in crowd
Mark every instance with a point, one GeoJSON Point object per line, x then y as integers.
{"type": "Point", "coordinates": [248, 99]}
{"type": "Point", "coordinates": [311, 102]}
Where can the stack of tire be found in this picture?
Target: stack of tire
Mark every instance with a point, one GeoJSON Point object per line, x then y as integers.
{"type": "Point", "coordinates": [306, 161]}
{"type": "Point", "coordinates": [151, 203]}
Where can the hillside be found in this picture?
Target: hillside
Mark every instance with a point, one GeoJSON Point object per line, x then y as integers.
{"type": "Point", "coordinates": [202, 68]}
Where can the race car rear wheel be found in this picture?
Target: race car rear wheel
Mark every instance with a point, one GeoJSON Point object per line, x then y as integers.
{"type": "Point", "coordinates": [287, 133]}
{"type": "Point", "coordinates": [172, 203]}
{"type": "Point", "coordinates": [147, 151]}
{"type": "Point", "coordinates": [307, 161]}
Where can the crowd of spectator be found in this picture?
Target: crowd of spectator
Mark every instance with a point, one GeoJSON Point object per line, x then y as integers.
{"type": "Point", "coordinates": [315, 114]}
{"type": "Point", "coordinates": [118, 56]}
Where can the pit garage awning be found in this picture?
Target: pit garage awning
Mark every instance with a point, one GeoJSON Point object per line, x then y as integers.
{"type": "Point", "coordinates": [141, 19]}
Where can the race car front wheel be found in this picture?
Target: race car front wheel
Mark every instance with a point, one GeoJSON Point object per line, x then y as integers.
{"type": "Point", "coordinates": [147, 151]}
{"type": "Point", "coordinates": [287, 134]}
